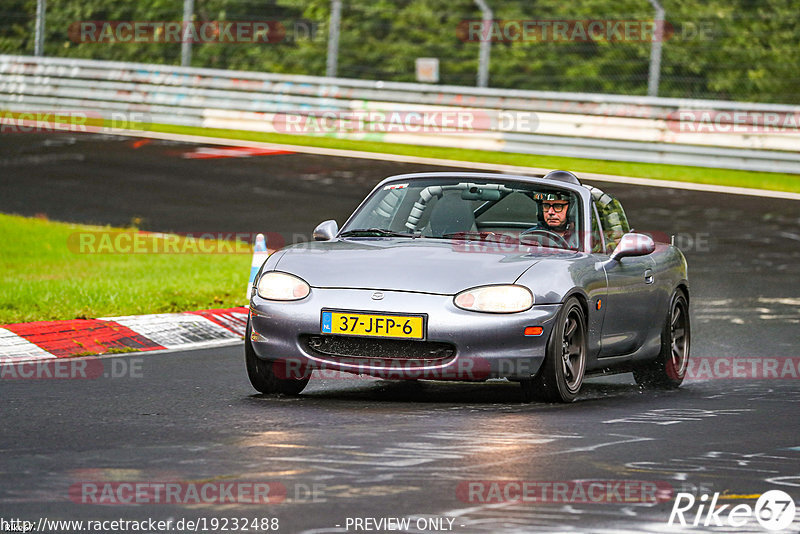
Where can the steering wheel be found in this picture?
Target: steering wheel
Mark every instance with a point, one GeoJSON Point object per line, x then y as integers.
{"type": "Point", "coordinates": [554, 237]}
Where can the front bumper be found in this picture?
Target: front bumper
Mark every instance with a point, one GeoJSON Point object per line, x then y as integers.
{"type": "Point", "coordinates": [481, 345]}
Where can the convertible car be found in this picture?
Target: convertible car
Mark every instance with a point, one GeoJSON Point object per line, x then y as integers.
{"type": "Point", "coordinates": [474, 276]}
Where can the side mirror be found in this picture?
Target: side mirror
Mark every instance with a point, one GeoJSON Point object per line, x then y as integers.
{"type": "Point", "coordinates": [326, 231]}
{"type": "Point", "coordinates": [633, 244]}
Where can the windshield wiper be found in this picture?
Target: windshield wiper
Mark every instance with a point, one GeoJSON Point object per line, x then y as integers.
{"type": "Point", "coordinates": [379, 232]}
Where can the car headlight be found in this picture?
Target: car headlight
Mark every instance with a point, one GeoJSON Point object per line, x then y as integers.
{"type": "Point", "coordinates": [495, 299]}
{"type": "Point", "coordinates": [281, 286]}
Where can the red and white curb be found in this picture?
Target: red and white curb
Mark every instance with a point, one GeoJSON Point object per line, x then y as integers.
{"type": "Point", "coordinates": [42, 340]}
{"type": "Point", "coordinates": [83, 337]}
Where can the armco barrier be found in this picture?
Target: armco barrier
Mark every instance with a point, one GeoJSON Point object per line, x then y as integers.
{"type": "Point", "coordinates": [612, 127]}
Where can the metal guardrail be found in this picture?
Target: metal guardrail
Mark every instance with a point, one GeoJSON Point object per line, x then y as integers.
{"type": "Point", "coordinates": [611, 127]}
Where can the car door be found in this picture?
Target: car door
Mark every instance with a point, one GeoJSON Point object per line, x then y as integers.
{"type": "Point", "coordinates": [629, 305]}
{"type": "Point", "coordinates": [629, 309]}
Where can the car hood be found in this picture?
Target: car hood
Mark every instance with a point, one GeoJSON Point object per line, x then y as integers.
{"type": "Point", "coordinates": [402, 264]}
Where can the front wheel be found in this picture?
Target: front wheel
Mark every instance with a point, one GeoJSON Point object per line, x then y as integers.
{"type": "Point", "coordinates": [270, 376]}
{"type": "Point", "coordinates": [561, 375]}
{"type": "Point", "coordinates": [668, 370]}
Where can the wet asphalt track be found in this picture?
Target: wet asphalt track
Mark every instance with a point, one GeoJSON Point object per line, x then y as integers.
{"type": "Point", "coordinates": [377, 448]}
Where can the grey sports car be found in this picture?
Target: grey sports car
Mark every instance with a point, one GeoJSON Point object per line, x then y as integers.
{"type": "Point", "coordinates": [474, 276]}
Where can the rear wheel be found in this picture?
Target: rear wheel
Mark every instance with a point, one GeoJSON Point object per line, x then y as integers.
{"type": "Point", "coordinates": [272, 376]}
{"type": "Point", "coordinates": [561, 375]}
{"type": "Point", "coordinates": [668, 370]}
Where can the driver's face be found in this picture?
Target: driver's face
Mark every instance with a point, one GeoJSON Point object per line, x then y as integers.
{"type": "Point", "coordinates": [553, 218]}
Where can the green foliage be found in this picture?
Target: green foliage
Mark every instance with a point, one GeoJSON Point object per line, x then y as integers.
{"type": "Point", "coordinates": [16, 26]}
{"type": "Point", "coordinates": [737, 49]}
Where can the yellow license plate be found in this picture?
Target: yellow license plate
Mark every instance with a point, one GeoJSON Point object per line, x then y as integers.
{"type": "Point", "coordinates": [373, 325]}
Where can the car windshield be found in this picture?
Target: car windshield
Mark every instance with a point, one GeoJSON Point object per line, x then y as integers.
{"type": "Point", "coordinates": [490, 210]}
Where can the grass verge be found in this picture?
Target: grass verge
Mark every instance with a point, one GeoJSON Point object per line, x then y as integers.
{"type": "Point", "coordinates": [703, 175]}
{"type": "Point", "coordinates": [44, 275]}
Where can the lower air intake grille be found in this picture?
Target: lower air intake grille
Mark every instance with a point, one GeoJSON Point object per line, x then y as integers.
{"type": "Point", "coordinates": [379, 349]}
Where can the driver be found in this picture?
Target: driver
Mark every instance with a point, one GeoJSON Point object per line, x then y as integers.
{"type": "Point", "coordinates": [555, 207]}
{"type": "Point", "coordinates": [554, 218]}
{"type": "Point", "coordinates": [554, 212]}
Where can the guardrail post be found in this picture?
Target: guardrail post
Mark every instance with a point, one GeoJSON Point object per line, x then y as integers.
{"type": "Point", "coordinates": [655, 50]}
{"type": "Point", "coordinates": [486, 43]}
{"type": "Point", "coordinates": [186, 39]}
{"type": "Point", "coordinates": [333, 38]}
{"type": "Point", "coordinates": [38, 46]}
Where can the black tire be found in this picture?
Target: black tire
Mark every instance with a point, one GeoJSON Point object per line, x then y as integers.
{"type": "Point", "coordinates": [264, 374]}
{"type": "Point", "coordinates": [668, 370]}
{"type": "Point", "coordinates": [561, 375]}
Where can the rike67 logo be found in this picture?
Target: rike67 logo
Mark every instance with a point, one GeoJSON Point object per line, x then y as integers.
{"type": "Point", "coordinates": [774, 510]}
